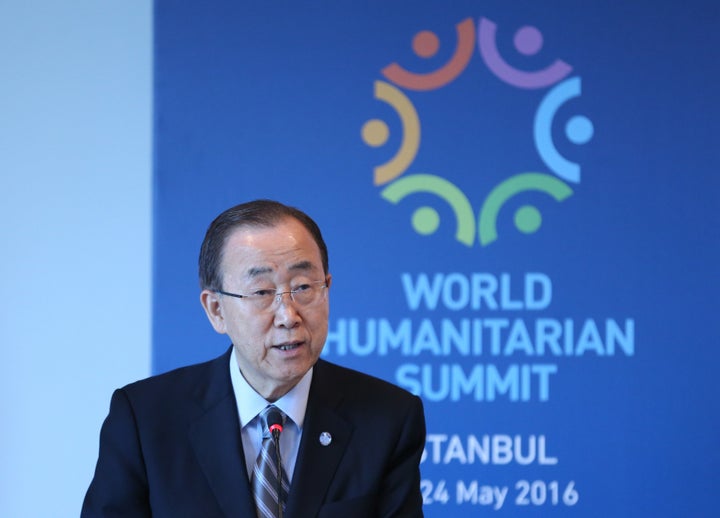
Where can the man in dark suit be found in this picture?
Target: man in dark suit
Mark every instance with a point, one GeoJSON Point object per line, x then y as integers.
{"type": "Point", "coordinates": [195, 442]}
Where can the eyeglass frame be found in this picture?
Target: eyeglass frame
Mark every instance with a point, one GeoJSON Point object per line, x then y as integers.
{"type": "Point", "coordinates": [277, 296]}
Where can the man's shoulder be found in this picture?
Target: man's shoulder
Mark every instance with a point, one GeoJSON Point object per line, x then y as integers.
{"type": "Point", "coordinates": [369, 403]}
{"type": "Point", "coordinates": [182, 379]}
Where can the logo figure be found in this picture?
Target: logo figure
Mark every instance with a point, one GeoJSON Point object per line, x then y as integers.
{"type": "Point", "coordinates": [397, 184]}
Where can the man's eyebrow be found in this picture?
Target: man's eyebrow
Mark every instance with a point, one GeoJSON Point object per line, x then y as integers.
{"type": "Point", "coordinates": [302, 266]}
{"type": "Point", "coordinates": [258, 270]}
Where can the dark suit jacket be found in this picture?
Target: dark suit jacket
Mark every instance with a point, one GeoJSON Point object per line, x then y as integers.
{"type": "Point", "coordinates": [171, 446]}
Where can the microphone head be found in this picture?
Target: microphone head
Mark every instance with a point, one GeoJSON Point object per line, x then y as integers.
{"type": "Point", "coordinates": [274, 421]}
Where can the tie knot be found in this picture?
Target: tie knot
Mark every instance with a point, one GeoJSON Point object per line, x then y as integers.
{"type": "Point", "coordinates": [272, 419]}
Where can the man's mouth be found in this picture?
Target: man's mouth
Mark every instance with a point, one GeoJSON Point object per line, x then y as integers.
{"type": "Point", "coordinates": [288, 347]}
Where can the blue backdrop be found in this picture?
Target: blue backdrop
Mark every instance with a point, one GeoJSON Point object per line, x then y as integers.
{"type": "Point", "coordinates": [518, 199]}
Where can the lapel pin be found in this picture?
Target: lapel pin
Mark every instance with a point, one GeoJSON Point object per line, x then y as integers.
{"type": "Point", "coordinates": [325, 438]}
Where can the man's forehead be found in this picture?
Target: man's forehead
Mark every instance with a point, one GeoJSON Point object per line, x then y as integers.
{"type": "Point", "coordinates": [289, 228]}
{"type": "Point", "coordinates": [284, 248]}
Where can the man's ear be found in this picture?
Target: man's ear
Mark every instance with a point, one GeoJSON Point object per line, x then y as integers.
{"type": "Point", "coordinates": [210, 301]}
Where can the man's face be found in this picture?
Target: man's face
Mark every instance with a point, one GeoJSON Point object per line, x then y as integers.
{"type": "Point", "coordinates": [277, 346]}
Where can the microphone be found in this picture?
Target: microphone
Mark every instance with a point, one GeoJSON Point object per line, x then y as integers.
{"type": "Point", "coordinates": [274, 422]}
{"type": "Point", "coordinates": [275, 425]}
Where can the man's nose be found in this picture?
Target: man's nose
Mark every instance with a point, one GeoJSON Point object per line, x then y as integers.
{"type": "Point", "coordinates": [286, 313]}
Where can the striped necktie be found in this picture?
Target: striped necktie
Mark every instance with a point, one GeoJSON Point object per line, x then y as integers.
{"type": "Point", "coordinates": [266, 482]}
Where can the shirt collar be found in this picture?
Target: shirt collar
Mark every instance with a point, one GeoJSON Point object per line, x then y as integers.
{"type": "Point", "coordinates": [250, 403]}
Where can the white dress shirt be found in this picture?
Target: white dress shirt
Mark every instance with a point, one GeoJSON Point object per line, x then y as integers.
{"type": "Point", "coordinates": [250, 404]}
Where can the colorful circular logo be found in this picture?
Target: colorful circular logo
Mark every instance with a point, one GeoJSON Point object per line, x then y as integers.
{"type": "Point", "coordinates": [477, 222]}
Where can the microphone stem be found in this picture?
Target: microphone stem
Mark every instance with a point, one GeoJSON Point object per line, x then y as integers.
{"type": "Point", "coordinates": [276, 440]}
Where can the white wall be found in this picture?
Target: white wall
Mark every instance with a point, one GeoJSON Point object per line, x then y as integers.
{"type": "Point", "coordinates": [75, 228]}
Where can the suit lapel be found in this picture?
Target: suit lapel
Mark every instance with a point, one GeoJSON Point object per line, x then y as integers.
{"type": "Point", "coordinates": [216, 440]}
{"type": "Point", "coordinates": [317, 463]}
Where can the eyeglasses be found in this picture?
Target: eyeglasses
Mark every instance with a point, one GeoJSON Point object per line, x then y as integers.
{"type": "Point", "coordinates": [304, 295]}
